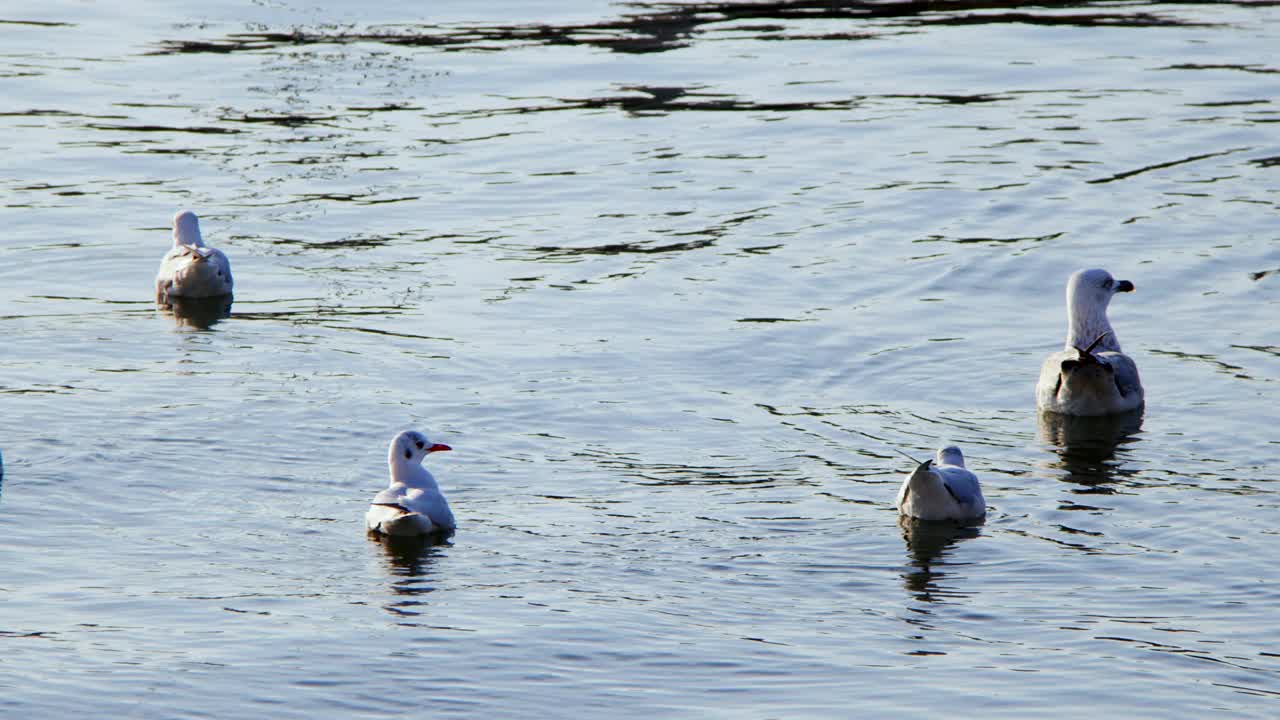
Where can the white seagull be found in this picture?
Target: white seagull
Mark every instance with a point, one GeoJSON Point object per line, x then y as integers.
{"type": "Point", "coordinates": [192, 269]}
{"type": "Point", "coordinates": [942, 489]}
{"type": "Point", "coordinates": [413, 504]}
{"type": "Point", "coordinates": [1090, 376]}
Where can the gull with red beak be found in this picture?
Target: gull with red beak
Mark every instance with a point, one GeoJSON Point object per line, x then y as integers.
{"type": "Point", "coordinates": [413, 504]}
{"type": "Point", "coordinates": [1090, 376]}
{"type": "Point", "coordinates": [192, 269]}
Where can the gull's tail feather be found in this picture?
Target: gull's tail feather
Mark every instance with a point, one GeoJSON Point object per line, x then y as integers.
{"type": "Point", "coordinates": [1087, 353]}
{"type": "Point", "coordinates": [917, 462]}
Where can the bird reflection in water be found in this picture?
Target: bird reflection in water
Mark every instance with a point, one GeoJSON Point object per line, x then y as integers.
{"type": "Point", "coordinates": [927, 544]}
{"type": "Point", "coordinates": [409, 559]}
{"type": "Point", "coordinates": [1086, 446]}
{"type": "Point", "coordinates": [198, 313]}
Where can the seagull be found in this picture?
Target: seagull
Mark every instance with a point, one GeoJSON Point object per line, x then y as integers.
{"type": "Point", "coordinates": [413, 504]}
{"type": "Point", "coordinates": [192, 269]}
{"type": "Point", "coordinates": [942, 489]}
{"type": "Point", "coordinates": [1090, 376]}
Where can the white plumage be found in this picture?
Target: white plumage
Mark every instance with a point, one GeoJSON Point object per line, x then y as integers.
{"type": "Point", "coordinates": [942, 489]}
{"type": "Point", "coordinates": [413, 504]}
{"type": "Point", "coordinates": [1090, 376]}
{"type": "Point", "coordinates": [192, 269]}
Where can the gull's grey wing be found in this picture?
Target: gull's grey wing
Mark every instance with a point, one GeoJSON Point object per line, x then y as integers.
{"type": "Point", "coordinates": [1126, 373]}
{"type": "Point", "coordinates": [223, 262]}
{"type": "Point", "coordinates": [963, 486]}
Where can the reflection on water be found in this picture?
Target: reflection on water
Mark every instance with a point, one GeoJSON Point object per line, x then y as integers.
{"type": "Point", "coordinates": [198, 313]}
{"type": "Point", "coordinates": [409, 558]}
{"type": "Point", "coordinates": [409, 561]}
{"type": "Point", "coordinates": [1086, 446]}
{"type": "Point", "coordinates": [927, 544]}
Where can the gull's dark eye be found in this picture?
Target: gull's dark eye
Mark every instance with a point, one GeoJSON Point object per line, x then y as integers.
{"type": "Point", "coordinates": [1107, 284]}
{"type": "Point", "coordinates": [407, 455]}
{"type": "Point", "coordinates": [419, 444]}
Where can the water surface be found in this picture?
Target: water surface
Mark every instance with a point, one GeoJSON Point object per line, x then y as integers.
{"type": "Point", "coordinates": [674, 280]}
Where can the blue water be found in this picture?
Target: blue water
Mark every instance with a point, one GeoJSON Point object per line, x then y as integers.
{"type": "Point", "coordinates": [674, 281]}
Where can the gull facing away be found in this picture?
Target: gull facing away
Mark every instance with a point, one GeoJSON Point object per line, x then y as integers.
{"type": "Point", "coordinates": [1090, 376]}
{"type": "Point", "coordinates": [413, 504]}
{"type": "Point", "coordinates": [192, 269]}
{"type": "Point", "coordinates": [942, 489]}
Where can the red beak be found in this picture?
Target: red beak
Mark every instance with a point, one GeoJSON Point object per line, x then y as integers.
{"type": "Point", "coordinates": [438, 447]}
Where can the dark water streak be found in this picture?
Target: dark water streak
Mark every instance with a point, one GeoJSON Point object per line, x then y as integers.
{"type": "Point", "coordinates": [660, 27]}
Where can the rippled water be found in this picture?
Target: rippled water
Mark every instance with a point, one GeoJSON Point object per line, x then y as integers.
{"type": "Point", "coordinates": [673, 280]}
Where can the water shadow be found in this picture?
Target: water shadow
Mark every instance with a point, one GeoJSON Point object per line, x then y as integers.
{"type": "Point", "coordinates": [409, 561]}
{"type": "Point", "coordinates": [197, 313]}
{"type": "Point", "coordinates": [927, 544]}
{"type": "Point", "coordinates": [1086, 446]}
{"type": "Point", "coordinates": [638, 472]}
{"type": "Point", "coordinates": [410, 558]}
{"type": "Point", "coordinates": [652, 99]}
{"type": "Point", "coordinates": [653, 27]}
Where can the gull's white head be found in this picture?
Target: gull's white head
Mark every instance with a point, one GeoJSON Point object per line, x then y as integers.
{"type": "Point", "coordinates": [186, 229]}
{"type": "Point", "coordinates": [410, 447]}
{"type": "Point", "coordinates": [1089, 292]}
{"type": "Point", "coordinates": [1094, 287]}
{"type": "Point", "coordinates": [950, 455]}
